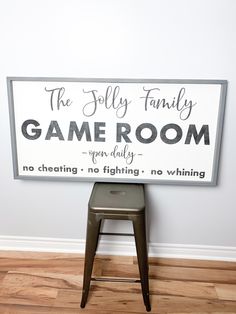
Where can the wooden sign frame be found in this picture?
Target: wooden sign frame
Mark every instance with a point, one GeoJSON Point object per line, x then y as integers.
{"type": "Point", "coordinates": [119, 130]}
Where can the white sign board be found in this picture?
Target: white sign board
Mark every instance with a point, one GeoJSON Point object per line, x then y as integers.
{"type": "Point", "coordinates": [158, 131]}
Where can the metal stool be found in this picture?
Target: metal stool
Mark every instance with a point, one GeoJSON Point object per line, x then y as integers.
{"type": "Point", "coordinates": [123, 202]}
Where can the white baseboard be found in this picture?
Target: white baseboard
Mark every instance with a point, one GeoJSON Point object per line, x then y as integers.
{"type": "Point", "coordinates": [38, 244]}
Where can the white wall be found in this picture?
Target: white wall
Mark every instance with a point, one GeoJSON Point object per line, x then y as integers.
{"type": "Point", "coordinates": [119, 39]}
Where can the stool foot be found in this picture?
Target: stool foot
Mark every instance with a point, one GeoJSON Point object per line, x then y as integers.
{"type": "Point", "coordinates": [84, 298]}
{"type": "Point", "coordinates": [147, 302]}
{"type": "Point", "coordinates": [148, 308]}
{"type": "Point", "coordinates": [82, 305]}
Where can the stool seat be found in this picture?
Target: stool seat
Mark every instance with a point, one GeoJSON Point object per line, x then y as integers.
{"type": "Point", "coordinates": [117, 197]}
{"type": "Point", "coordinates": [121, 201]}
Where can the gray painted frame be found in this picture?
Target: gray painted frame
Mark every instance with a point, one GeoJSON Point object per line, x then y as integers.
{"type": "Point", "coordinates": [219, 133]}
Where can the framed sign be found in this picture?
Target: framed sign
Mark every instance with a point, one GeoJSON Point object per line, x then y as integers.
{"type": "Point", "coordinates": [122, 130]}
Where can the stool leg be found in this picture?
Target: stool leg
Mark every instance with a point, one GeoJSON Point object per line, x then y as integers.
{"type": "Point", "coordinates": [141, 247]}
{"type": "Point", "coordinates": [93, 227]}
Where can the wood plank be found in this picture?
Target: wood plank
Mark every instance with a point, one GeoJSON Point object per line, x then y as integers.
{"type": "Point", "coordinates": [212, 312]}
{"type": "Point", "coordinates": [19, 309]}
{"type": "Point", "coordinates": [62, 265]}
{"type": "Point", "coordinates": [193, 274]}
{"type": "Point", "coordinates": [4, 309]}
{"type": "Point", "coordinates": [23, 309]}
{"type": "Point", "coordinates": [190, 289]}
{"type": "Point", "coordinates": [50, 280]}
{"type": "Point", "coordinates": [226, 292]}
{"type": "Point", "coordinates": [160, 287]}
{"type": "Point", "coordinates": [68, 298]}
{"type": "Point", "coordinates": [126, 271]}
{"type": "Point", "coordinates": [38, 255]}
{"type": "Point", "coordinates": [173, 273]}
{"type": "Point", "coordinates": [67, 265]}
{"type": "Point", "coordinates": [32, 296]}
{"type": "Point", "coordinates": [133, 303]}
{"type": "Point", "coordinates": [2, 275]}
{"type": "Point", "coordinates": [172, 304]}
{"type": "Point", "coordinates": [116, 259]}
{"type": "Point", "coordinates": [190, 263]}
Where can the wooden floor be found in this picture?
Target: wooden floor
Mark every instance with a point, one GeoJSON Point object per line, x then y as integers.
{"type": "Point", "coordinates": [51, 283]}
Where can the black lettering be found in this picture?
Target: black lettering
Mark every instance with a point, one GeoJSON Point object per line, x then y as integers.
{"type": "Point", "coordinates": [54, 131]}
{"type": "Point", "coordinates": [98, 131]}
{"type": "Point", "coordinates": [150, 139]}
{"type": "Point", "coordinates": [122, 129]}
{"type": "Point", "coordinates": [192, 132]}
{"type": "Point", "coordinates": [174, 140]}
{"type": "Point", "coordinates": [36, 133]}
{"type": "Point", "coordinates": [79, 133]}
